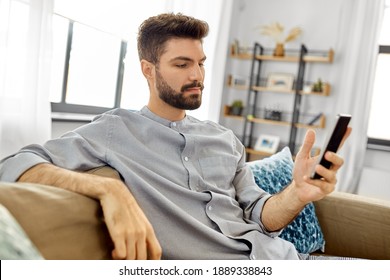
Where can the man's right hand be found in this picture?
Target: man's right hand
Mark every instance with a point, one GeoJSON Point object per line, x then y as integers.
{"type": "Point", "coordinates": [131, 232]}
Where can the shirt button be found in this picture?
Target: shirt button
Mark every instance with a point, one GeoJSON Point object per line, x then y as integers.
{"type": "Point", "coordinates": [253, 257]}
{"type": "Point", "coordinates": [186, 158]}
{"type": "Point", "coordinates": [210, 207]}
{"type": "Point", "coordinates": [174, 124]}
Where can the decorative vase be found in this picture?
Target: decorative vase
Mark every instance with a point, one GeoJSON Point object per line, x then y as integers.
{"type": "Point", "coordinates": [279, 50]}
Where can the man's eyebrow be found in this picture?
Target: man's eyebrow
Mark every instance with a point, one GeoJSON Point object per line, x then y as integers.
{"type": "Point", "coordinates": [185, 58]}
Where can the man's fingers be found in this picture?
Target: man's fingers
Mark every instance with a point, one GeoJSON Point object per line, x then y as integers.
{"type": "Point", "coordinates": [154, 250]}
{"type": "Point", "coordinates": [307, 145]}
{"type": "Point", "coordinates": [328, 175]}
{"type": "Point", "coordinates": [335, 159]}
{"type": "Point", "coordinates": [140, 250]}
{"type": "Point", "coordinates": [119, 252]}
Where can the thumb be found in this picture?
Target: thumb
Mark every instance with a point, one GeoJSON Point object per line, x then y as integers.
{"type": "Point", "coordinates": [308, 142]}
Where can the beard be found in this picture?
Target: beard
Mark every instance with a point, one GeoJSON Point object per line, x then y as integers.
{"type": "Point", "coordinates": [178, 99]}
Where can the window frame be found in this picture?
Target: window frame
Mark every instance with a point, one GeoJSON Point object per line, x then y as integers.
{"type": "Point", "coordinates": [376, 143]}
{"type": "Point", "coordinates": [63, 106]}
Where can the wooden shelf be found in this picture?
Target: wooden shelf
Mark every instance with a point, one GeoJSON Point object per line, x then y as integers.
{"type": "Point", "coordinates": [315, 151]}
{"type": "Point", "coordinates": [239, 87]}
{"type": "Point", "coordinates": [271, 122]}
{"type": "Point", "coordinates": [321, 122]}
{"type": "Point", "coordinates": [325, 92]}
{"type": "Point", "coordinates": [286, 123]}
{"type": "Point", "coordinates": [258, 153]}
{"type": "Point", "coordinates": [328, 58]}
{"type": "Point", "coordinates": [243, 56]}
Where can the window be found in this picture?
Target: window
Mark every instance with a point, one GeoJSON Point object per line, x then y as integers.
{"type": "Point", "coordinates": [378, 127]}
{"type": "Point", "coordinates": [87, 68]}
{"type": "Point", "coordinates": [95, 63]}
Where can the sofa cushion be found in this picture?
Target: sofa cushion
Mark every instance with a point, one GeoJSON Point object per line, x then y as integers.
{"type": "Point", "coordinates": [60, 223]}
{"type": "Point", "coordinates": [273, 174]}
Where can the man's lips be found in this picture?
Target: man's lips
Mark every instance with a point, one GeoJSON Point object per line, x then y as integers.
{"type": "Point", "coordinates": [193, 90]}
{"type": "Point", "coordinates": [194, 87]}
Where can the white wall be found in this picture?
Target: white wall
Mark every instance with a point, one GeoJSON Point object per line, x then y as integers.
{"type": "Point", "coordinates": [321, 21]}
{"type": "Point", "coordinates": [375, 178]}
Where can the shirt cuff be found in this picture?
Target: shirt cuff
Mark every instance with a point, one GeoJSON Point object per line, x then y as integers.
{"type": "Point", "coordinates": [13, 167]}
{"type": "Point", "coordinates": [256, 214]}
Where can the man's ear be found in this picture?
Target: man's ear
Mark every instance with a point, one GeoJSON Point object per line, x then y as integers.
{"type": "Point", "coordinates": [147, 69]}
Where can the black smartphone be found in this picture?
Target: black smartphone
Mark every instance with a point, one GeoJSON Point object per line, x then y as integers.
{"type": "Point", "coordinates": [333, 141]}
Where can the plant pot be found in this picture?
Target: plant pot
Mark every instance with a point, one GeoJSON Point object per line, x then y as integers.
{"type": "Point", "coordinates": [279, 50]}
{"type": "Point", "coordinates": [236, 111]}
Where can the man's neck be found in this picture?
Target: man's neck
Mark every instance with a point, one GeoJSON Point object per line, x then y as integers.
{"type": "Point", "coordinates": [166, 111]}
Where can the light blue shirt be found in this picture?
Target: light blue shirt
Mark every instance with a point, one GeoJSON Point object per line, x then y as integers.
{"type": "Point", "coordinates": [189, 177]}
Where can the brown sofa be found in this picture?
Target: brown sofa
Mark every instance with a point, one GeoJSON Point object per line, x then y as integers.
{"type": "Point", "coordinates": [66, 225]}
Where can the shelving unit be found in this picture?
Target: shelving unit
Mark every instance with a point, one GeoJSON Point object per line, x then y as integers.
{"type": "Point", "coordinates": [321, 120]}
{"type": "Point", "coordinates": [258, 84]}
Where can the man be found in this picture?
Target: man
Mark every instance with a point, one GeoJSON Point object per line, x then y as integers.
{"type": "Point", "coordinates": [186, 192]}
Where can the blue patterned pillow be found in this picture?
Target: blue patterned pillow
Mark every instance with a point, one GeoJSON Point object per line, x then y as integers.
{"type": "Point", "coordinates": [14, 242]}
{"type": "Point", "coordinates": [273, 174]}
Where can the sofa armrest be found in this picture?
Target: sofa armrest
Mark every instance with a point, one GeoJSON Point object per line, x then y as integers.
{"type": "Point", "coordinates": [355, 226]}
{"type": "Point", "coordinates": [61, 224]}
{"type": "Point", "coordinates": [105, 171]}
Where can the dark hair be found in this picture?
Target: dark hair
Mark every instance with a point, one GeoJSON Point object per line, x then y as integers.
{"type": "Point", "coordinates": [155, 31]}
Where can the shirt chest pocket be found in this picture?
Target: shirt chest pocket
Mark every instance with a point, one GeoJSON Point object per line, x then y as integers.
{"type": "Point", "coordinates": [218, 170]}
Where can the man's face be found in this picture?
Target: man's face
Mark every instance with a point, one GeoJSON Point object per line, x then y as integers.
{"type": "Point", "coordinates": [180, 74]}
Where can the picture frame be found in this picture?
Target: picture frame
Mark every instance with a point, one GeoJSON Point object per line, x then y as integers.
{"type": "Point", "coordinates": [267, 143]}
{"type": "Point", "coordinates": [280, 81]}
{"type": "Point", "coordinates": [238, 81]}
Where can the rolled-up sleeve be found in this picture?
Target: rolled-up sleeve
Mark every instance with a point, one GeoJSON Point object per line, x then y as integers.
{"type": "Point", "coordinates": [251, 198]}
{"type": "Point", "coordinates": [13, 166]}
{"type": "Point", "coordinates": [256, 214]}
{"type": "Point", "coordinates": [82, 149]}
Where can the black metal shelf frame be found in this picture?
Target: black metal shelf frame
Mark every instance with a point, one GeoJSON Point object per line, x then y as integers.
{"type": "Point", "coordinates": [252, 97]}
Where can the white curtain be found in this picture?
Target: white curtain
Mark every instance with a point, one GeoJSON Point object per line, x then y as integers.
{"type": "Point", "coordinates": [358, 35]}
{"type": "Point", "coordinates": [25, 59]}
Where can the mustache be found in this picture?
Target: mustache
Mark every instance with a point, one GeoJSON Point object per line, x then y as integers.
{"type": "Point", "coordinates": [192, 85]}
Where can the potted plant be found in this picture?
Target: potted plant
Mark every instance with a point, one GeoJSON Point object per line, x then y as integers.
{"type": "Point", "coordinates": [236, 108]}
{"type": "Point", "coordinates": [318, 86]}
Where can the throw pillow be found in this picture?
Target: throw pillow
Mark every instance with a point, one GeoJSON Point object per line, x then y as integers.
{"type": "Point", "coordinates": [273, 174]}
{"type": "Point", "coordinates": [14, 242]}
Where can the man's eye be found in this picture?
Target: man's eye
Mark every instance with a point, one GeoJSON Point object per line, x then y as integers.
{"type": "Point", "coordinates": [182, 65]}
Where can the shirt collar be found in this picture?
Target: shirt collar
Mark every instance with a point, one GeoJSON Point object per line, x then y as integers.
{"type": "Point", "coordinates": [150, 115]}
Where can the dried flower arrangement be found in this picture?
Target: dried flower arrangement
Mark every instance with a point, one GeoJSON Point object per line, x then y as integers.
{"type": "Point", "coordinates": [276, 32]}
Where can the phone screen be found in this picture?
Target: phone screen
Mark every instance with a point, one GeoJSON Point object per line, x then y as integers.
{"type": "Point", "coordinates": [333, 140]}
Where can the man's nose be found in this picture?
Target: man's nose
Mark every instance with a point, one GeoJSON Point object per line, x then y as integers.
{"type": "Point", "coordinates": [197, 73]}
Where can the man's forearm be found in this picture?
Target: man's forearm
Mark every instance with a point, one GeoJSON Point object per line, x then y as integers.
{"type": "Point", "coordinates": [281, 209]}
{"type": "Point", "coordinates": [86, 184]}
